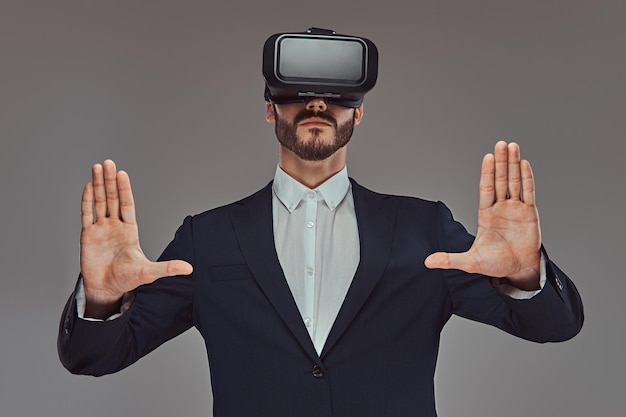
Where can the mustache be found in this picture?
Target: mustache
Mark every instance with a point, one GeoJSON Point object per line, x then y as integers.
{"type": "Point", "coordinates": [308, 114]}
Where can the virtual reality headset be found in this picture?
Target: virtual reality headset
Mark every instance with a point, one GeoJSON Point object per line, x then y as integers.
{"type": "Point", "coordinates": [319, 63]}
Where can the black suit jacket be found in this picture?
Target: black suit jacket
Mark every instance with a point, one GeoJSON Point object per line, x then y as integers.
{"type": "Point", "coordinates": [379, 358]}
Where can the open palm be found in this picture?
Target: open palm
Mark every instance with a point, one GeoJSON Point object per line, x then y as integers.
{"type": "Point", "coordinates": [111, 259]}
{"type": "Point", "coordinates": [508, 238]}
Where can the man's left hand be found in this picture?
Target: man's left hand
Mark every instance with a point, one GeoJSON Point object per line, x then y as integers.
{"type": "Point", "coordinates": [508, 238]}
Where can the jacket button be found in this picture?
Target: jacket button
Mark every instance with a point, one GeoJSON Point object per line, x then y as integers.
{"type": "Point", "coordinates": [559, 284]}
{"type": "Point", "coordinates": [66, 326]}
{"type": "Point", "coordinates": [317, 371]}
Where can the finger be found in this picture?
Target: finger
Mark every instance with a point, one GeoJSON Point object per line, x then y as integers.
{"type": "Point", "coordinates": [156, 270]}
{"type": "Point", "coordinates": [487, 194]}
{"type": "Point", "coordinates": [100, 199]}
{"type": "Point", "coordinates": [110, 187]}
{"type": "Point", "coordinates": [86, 206]}
{"type": "Point", "coordinates": [501, 154]}
{"type": "Point", "coordinates": [127, 202]}
{"type": "Point", "coordinates": [528, 183]}
{"type": "Point", "coordinates": [444, 260]}
{"type": "Point", "coordinates": [514, 171]}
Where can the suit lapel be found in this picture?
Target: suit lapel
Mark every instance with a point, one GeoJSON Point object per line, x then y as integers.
{"type": "Point", "coordinates": [376, 216]}
{"type": "Point", "coordinates": [253, 223]}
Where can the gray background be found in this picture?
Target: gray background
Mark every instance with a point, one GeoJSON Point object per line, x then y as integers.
{"type": "Point", "coordinates": [173, 92]}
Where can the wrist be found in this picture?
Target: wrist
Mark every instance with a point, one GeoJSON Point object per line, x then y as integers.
{"type": "Point", "coordinates": [528, 280]}
{"type": "Point", "coordinates": [99, 305]}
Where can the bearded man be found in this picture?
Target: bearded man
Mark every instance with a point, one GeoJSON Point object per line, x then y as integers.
{"type": "Point", "coordinates": [315, 296]}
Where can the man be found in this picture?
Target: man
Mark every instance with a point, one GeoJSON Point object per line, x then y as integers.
{"type": "Point", "coordinates": [315, 296]}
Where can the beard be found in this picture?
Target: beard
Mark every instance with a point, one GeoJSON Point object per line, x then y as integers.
{"type": "Point", "coordinates": [313, 149]}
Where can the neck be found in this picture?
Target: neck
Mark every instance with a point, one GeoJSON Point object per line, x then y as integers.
{"type": "Point", "coordinates": [311, 173]}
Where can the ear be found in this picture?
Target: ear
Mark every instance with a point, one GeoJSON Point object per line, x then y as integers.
{"type": "Point", "coordinates": [358, 114]}
{"type": "Point", "coordinates": [270, 115]}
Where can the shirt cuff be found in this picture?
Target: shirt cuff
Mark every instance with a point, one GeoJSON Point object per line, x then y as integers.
{"type": "Point", "coordinates": [127, 301]}
{"type": "Point", "coordinates": [514, 292]}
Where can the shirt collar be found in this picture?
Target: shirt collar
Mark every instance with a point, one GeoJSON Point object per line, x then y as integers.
{"type": "Point", "coordinates": [290, 192]}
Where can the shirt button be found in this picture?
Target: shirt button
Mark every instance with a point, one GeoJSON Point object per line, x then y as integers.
{"type": "Point", "coordinates": [308, 322]}
{"type": "Point", "coordinates": [309, 271]}
{"type": "Point", "coordinates": [311, 195]}
{"type": "Point", "coordinates": [317, 372]}
{"type": "Point", "coordinates": [310, 224]}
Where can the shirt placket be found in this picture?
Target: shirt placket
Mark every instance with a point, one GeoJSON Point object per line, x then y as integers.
{"type": "Point", "coordinates": [310, 320]}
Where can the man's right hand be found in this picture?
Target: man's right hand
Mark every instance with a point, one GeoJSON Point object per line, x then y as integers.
{"type": "Point", "coordinates": [111, 260]}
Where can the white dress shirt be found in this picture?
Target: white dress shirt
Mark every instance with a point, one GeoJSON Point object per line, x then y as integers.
{"type": "Point", "coordinates": [317, 242]}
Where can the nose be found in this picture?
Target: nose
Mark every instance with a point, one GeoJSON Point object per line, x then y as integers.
{"type": "Point", "coordinates": [316, 104]}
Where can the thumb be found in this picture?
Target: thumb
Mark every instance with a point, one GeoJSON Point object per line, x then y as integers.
{"type": "Point", "coordinates": [437, 260]}
{"type": "Point", "coordinates": [156, 270]}
{"type": "Point", "coordinates": [446, 260]}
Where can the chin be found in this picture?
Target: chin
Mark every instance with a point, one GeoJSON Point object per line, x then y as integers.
{"type": "Point", "coordinates": [316, 137]}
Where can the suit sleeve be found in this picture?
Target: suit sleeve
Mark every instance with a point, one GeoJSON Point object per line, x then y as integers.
{"type": "Point", "coordinates": [160, 311]}
{"type": "Point", "coordinates": [554, 314]}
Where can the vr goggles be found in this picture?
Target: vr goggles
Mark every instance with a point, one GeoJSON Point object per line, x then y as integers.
{"type": "Point", "coordinates": [319, 63]}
